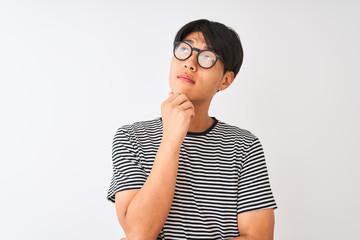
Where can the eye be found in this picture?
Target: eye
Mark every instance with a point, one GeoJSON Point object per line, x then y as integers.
{"type": "Point", "coordinates": [184, 49]}
{"type": "Point", "coordinates": [207, 58]}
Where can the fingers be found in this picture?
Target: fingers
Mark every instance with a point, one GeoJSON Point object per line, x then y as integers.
{"type": "Point", "coordinates": [178, 98]}
{"type": "Point", "coordinates": [176, 112]}
{"type": "Point", "coordinates": [190, 112]}
{"type": "Point", "coordinates": [183, 103]}
{"type": "Point", "coordinates": [189, 109]}
{"type": "Point", "coordinates": [186, 105]}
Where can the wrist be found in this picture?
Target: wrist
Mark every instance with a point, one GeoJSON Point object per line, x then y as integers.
{"type": "Point", "coordinates": [170, 144]}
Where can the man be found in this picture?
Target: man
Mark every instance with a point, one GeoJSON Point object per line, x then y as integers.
{"type": "Point", "coordinates": [187, 175]}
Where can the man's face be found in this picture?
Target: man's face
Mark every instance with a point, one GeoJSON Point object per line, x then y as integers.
{"type": "Point", "coordinates": [187, 77]}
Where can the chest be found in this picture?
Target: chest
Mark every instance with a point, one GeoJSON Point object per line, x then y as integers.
{"type": "Point", "coordinates": [207, 170]}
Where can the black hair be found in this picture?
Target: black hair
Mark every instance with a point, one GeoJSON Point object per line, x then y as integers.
{"type": "Point", "coordinates": [222, 39]}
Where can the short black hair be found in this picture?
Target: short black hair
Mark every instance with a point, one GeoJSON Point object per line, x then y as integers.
{"type": "Point", "coordinates": [222, 39]}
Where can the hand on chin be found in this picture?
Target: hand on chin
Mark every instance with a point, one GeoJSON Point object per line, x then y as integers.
{"type": "Point", "coordinates": [181, 90]}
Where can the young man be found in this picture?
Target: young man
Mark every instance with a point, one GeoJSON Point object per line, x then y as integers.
{"type": "Point", "coordinates": [187, 175]}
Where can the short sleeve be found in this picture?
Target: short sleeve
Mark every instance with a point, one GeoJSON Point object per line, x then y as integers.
{"type": "Point", "coordinates": [127, 170]}
{"type": "Point", "coordinates": [254, 191]}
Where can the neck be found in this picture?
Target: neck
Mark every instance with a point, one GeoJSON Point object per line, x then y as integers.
{"type": "Point", "coordinates": [201, 121]}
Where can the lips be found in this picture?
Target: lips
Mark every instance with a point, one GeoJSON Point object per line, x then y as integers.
{"type": "Point", "coordinates": [186, 78]}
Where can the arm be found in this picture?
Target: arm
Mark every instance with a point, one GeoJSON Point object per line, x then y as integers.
{"type": "Point", "coordinates": [254, 192]}
{"type": "Point", "coordinates": [256, 225]}
{"type": "Point", "coordinates": [142, 213]}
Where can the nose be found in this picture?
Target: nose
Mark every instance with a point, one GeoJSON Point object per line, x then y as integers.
{"type": "Point", "coordinates": [191, 62]}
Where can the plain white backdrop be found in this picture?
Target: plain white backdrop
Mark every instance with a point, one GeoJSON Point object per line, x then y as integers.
{"type": "Point", "coordinates": [72, 72]}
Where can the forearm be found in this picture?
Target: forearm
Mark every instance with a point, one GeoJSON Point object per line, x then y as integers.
{"type": "Point", "coordinates": [148, 210]}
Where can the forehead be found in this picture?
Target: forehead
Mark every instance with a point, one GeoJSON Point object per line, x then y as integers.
{"type": "Point", "coordinates": [196, 39]}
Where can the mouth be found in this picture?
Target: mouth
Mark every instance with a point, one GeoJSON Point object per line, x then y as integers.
{"type": "Point", "coordinates": [186, 78]}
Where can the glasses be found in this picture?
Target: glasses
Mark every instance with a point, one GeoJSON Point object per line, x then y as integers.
{"type": "Point", "coordinates": [205, 58]}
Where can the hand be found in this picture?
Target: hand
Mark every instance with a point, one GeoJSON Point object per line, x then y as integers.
{"type": "Point", "coordinates": [176, 112]}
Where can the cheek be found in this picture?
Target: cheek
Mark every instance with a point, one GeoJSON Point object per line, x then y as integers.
{"type": "Point", "coordinates": [172, 74]}
{"type": "Point", "coordinates": [173, 67]}
{"type": "Point", "coordinates": [213, 80]}
{"type": "Point", "coordinates": [217, 77]}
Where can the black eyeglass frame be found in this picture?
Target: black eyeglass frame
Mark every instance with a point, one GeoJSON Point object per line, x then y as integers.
{"type": "Point", "coordinates": [197, 57]}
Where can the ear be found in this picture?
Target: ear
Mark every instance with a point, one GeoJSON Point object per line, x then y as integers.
{"type": "Point", "coordinates": [226, 80]}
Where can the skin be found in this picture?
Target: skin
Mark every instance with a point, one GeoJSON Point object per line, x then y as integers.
{"type": "Point", "coordinates": [142, 213]}
{"type": "Point", "coordinates": [206, 83]}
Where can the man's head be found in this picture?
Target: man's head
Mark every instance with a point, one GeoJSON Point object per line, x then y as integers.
{"type": "Point", "coordinates": [207, 57]}
{"type": "Point", "coordinates": [219, 37]}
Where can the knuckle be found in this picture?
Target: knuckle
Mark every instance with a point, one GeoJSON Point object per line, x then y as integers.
{"type": "Point", "coordinates": [183, 96]}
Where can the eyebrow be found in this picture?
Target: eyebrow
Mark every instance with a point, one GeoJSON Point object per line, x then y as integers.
{"type": "Point", "coordinates": [192, 42]}
{"type": "Point", "coordinates": [189, 41]}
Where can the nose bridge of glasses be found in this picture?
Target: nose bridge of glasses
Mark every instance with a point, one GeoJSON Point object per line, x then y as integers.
{"type": "Point", "coordinates": [197, 55]}
{"type": "Point", "coordinates": [196, 49]}
{"type": "Point", "coordinates": [191, 60]}
{"type": "Point", "coordinates": [191, 53]}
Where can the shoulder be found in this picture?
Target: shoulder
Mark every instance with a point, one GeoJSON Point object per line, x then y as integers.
{"type": "Point", "coordinates": [234, 131]}
{"type": "Point", "coordinates": [140, 126]}
{"type": "Point", "coordinates": [140, 130]}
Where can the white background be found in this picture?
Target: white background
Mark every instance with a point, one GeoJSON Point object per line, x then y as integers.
{"type": "Point", "coordinates": [72, 72]}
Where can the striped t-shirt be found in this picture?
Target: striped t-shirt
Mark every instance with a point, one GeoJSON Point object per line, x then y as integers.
{"type": "Point", "coordinates": [222, 172]}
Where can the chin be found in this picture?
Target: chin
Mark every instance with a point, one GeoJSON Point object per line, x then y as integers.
{"type": "Point", "coordinates": [181, 90]}
{"type": "Point", "coordinates": [178, 87]}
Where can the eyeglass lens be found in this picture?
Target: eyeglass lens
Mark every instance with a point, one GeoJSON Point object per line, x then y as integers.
{"type": "Point", "coordinates": [206, 59]}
